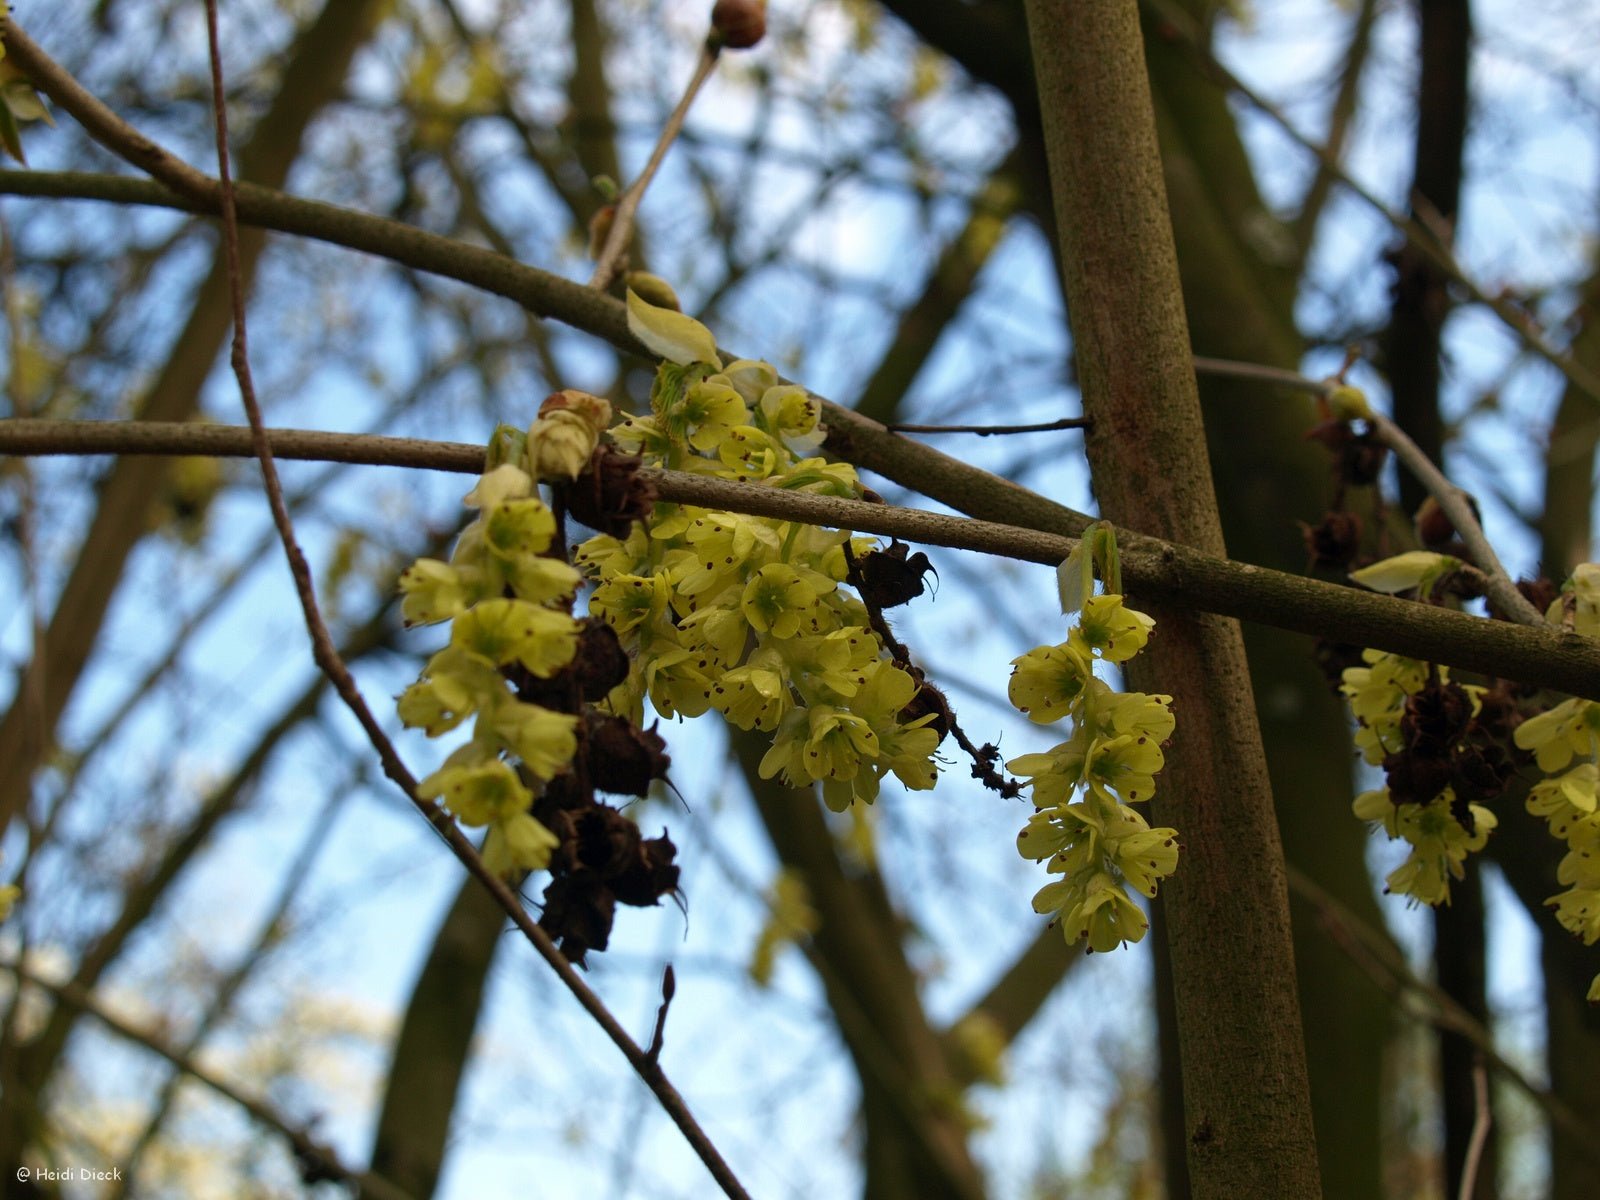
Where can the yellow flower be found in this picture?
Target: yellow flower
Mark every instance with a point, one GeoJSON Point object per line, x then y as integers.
{"type": "Point", "coordinates": [516, 844]}
{"type": "Point", "coordinates": [454, 684]}
{"type": "Point", "coordinates": [756, 695]}
{"type": "Point", "coordinates": [676, 683]}
{"type": "Point", "coordinates": [1126, 765]}
{"type": "Point", "coordinates": [1578, 911]}
{"type": "Point", "coordinates": [1439, 846]}
{"type": "Point", "coordinates": [630, 601]}
{"type": "Point", "coordinates": [1047, 681]}
{"type": "Point", "coordinates": [545, 741]}
{"type": "Point", "coordinates": [1570, 728]}
{"type": "Point", "coordinates": [514, 527]}
{"type": "Point", "coordinates": [1568, 795]}
{"type": "Point", "coordinates": [507, 631]}
{"type": "Point", "coordinates": [1109, 627]}
{"type": "Point", "coordinates": [478, 794]}
{"type": "Point", "coordinates": [1143, 857]}
{"type": "Point", "coordinates": [1097, 909]}
{"type": "Point", "coordinates": [776, 599]}
{"type": "Point", "coordinates": [505, 482]}
{"type": "Point", "coordinates": [437, 591]}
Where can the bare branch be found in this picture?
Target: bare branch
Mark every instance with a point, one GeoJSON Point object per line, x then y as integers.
{"type": "Point", "coordinates": [101, 123]}
{"type": "Point", "coordinates": [1546, 657]}
{"type": "Point", "coordinates": [1452, 500]}
{"type": "Point", "coordinates": [992, 430]}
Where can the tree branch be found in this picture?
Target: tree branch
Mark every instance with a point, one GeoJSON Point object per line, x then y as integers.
{"type": "Point", "coordinates": [621, 230]}
{"type": "Point", "coordinates": [1546, 656]}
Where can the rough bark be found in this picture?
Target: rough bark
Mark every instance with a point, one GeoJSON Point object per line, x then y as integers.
{"type": "Point", "coordinates": [1246, 1091]}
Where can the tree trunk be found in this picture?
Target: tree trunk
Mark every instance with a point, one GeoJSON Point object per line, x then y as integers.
{"type": "Point", "coordinates": [1246, 1092]}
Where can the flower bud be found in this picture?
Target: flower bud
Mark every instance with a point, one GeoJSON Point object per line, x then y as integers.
{"type": "Point", "coordinates": [559, 445]}
{"type": "Point", "coordinates": [739, 24]}
{"type": "Point", "coordinates": [594, 410]}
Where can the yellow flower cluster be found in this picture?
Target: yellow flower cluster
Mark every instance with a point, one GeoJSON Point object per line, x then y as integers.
{"type": "Point", "coordinates": [1567, 800]}
{"type": "Point", "coordinates": [509, 607]}
{"type": "Point", "coordinates": [1085, 787]}
{"type": "Point", "coordinates": [742, 614]}
{"type": "Point", "coordinates": [1377, 694]}
{"type": "Point", "coordinates": [1564, 741]}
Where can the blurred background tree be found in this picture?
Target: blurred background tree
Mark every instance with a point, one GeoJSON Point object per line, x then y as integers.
{"type": "Point", "coordinates": [865, 1004]}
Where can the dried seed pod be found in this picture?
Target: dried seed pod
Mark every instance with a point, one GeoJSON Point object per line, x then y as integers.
{"type": "Point", "coordinates": [1333, 541]}
{"type": "Point", "coordinates": [610, 494]}
{"type": "Point", "coordinates": [892, 576]}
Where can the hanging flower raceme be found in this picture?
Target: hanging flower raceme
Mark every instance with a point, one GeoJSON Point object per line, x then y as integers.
{"type": "Point", "coordinates": [1441, 746]}
{"type": "Point", "coordinates": [1086, 830]}
{"type": "Point", "coordinates": [508, 603]}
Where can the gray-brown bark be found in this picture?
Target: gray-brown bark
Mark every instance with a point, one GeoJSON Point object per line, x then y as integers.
{"type": "Point", "coordinates": [1246, 1093]}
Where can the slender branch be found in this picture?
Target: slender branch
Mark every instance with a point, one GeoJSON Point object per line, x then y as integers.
{"type": "Point", "coordinates": [306, 1148]}
{"type": "Point", "coordinates": [1452, 500]}
{"type": "Point", "coordinates": [1456, 506]}
{"type": "Point", "coordinates": [616, 243]}
{"type": "Point", "coordinates": [658, 1038]}
{"type": "Point", "coordinates": [1228, 369]}
{"type": "Point", "coordinates": [992, 430]}
{"type": "Point", "coordinates": [1177, 23]}
{"type": "Point", "coordinates": [1546, 657]}
{"type": "Point", "coordinates": [1375, 954]}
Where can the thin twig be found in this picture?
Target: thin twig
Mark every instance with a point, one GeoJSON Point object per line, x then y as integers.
{"type": "Point", "coordinates": [994, 430]}
{"type": "Point", "coordinates": [1545, 657]}
{"type": "Point", "coordinates": [1452, 500]}
{"type": "Point", "coordinates": [1481, 1120]}
{"type": "Point", "coordinates": [1375, 954]}
{"type": "Point", "coordinates": [1176, 22]}
{"type": "Point", "coordinates": [328, 659]}
{"type": "Point", "coordinates": [617, 238]}
{"type": "Point", "coordinates": [1228, 369]}
{"type": "Point", "coordinates": [658, 1038]}
{"type": "Point", "coordinates": [306, 1148]}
